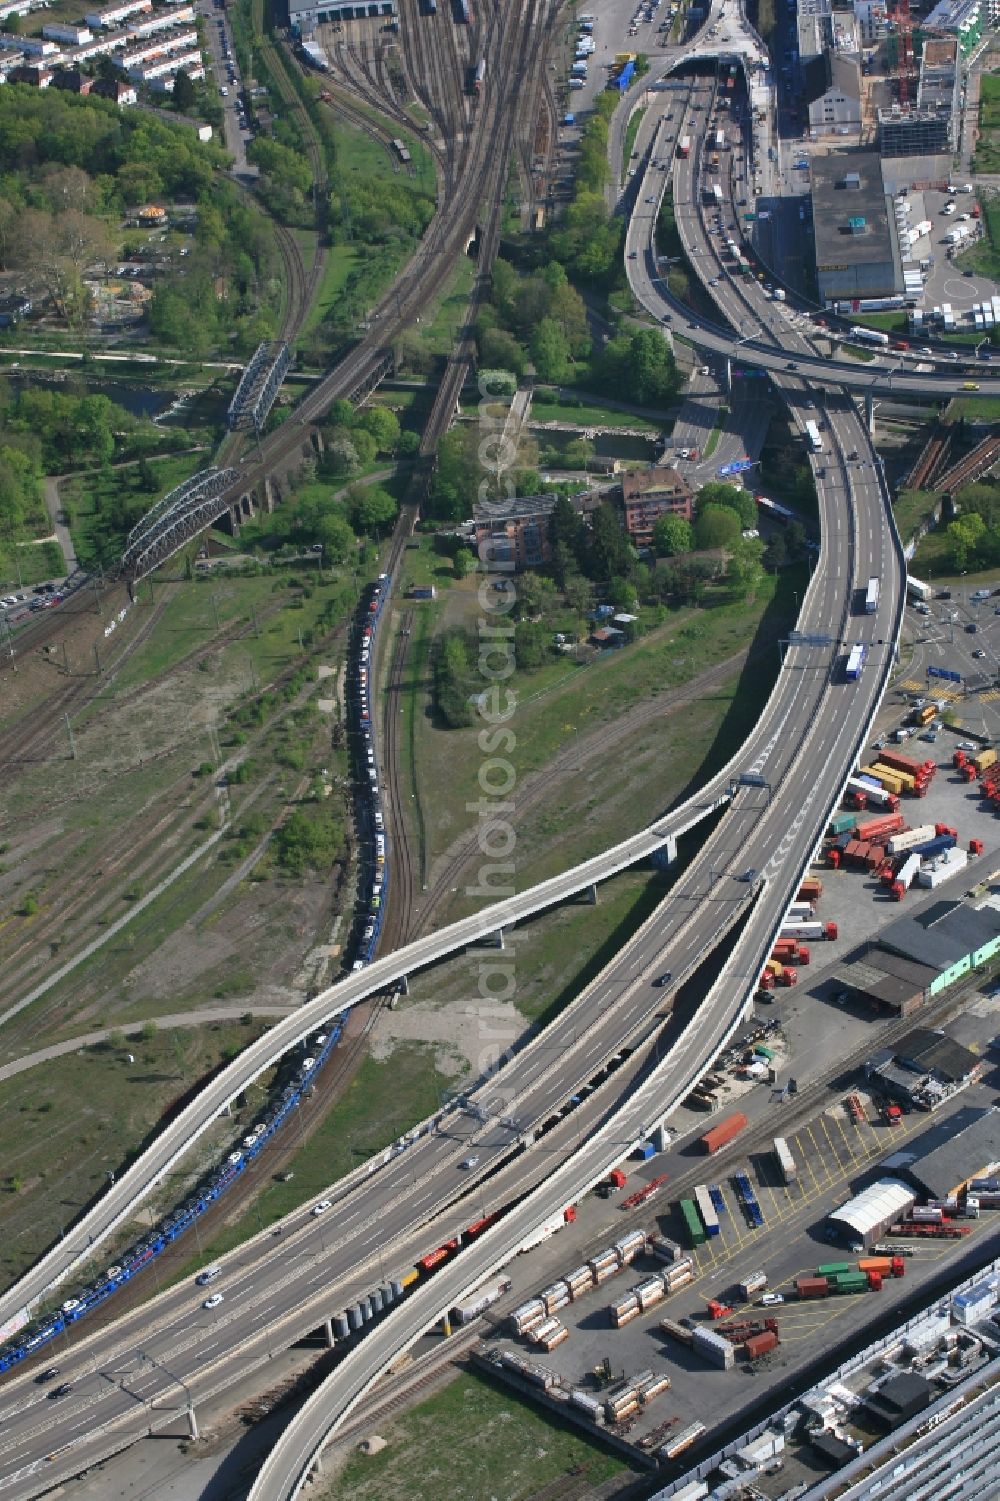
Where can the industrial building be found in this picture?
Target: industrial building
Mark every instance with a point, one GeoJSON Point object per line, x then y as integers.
{"type": "Point", "coordinates": [854, 229]}
{"type": "Point", "coordinates": [943, 1159]}
{"type": "Point", "coordinates": [305, 15]}
{"type": "Point", "coordinates": [832, 92]}
{"type": "Point", "coordinates": [899, 1399]}
{"type": "Point", "coordinates": [930, 127]}
{"type": "Point", "coordinates": [867, 1216]}
{"type": "Point", "coordinates": [888, 982]}
{"type": "Point", "coordinates": [948, 937]}
{"type": "Point", "coordinates": [649, 494]}
{"type": "Point", "coordinates": [925, 1069]}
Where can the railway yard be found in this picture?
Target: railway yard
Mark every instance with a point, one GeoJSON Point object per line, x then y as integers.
{"type": "Point", "coordinates": [753, 1131]}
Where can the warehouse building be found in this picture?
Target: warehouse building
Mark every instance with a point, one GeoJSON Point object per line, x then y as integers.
{"type": "Point", "coordinates": [925, 1070]}
{"type": "Point", "coordinates": [948, 937]}
{"type": "Point", "coordinates": [305, 15]}
{"type": "Point", "coordinates": [943, 1159]}
{"type": "Point", "coordinates": [854, 229]}
{"type": "Point", "coordinates": [867, 1216]}
{"type": "Point", "coordinates": [890, 984]}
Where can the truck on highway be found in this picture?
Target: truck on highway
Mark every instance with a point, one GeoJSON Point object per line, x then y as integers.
{"type": "Point", "coordinates": [871, 596]}
{"type": "Point", "coordinates": [915, 590]}
{"type": "Point", "coordinates": [684, 147]}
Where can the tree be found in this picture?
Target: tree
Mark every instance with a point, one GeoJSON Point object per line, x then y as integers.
{"type": "Point", "coordinates": [745, 571]}
{"type": "Point", "coordinates": [382, 425]}
{"type": "Point", "coordinates": [610, 554]}
{"type": "Point", "coordinates": [672, 535]}
{"type": "Point", "coordinates": [54, 250]}
{"type": "Point", "coordinates": [536, 594]}
{"type": "Point", "coordinates": [530, 641]}
{"type": "Point", "coordinates": [463, 562]}
{"type": "Point", "coordinates": [372, 509]}
{"type": "Point", "coordinates": [499, 350]}
{"type": "Point", "coordinates": [717, 526]}
{"type": "Point", "coordinates": [733, 496]}
{"type": "Point", "coordinates": [550, 351]}
{"type": "Point", "coordinates": [339, 541]}
{"type": "Point", "coordinates": [184, 95]}
{"type": "Point", "coordinates": [340, 456]}
{"type": "Point", "coordinates": [775, 553]}
{"type": "Point", "coordinates": [578, 453]}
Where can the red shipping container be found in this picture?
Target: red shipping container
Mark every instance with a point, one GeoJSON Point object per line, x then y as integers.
{"type": "Point", "coordinates": [725, 1132]}
{"type": "Point", "coordinates": [874, 828]}
{"type": "Point", "coordinates": [912, 767]}
{"type": "Point", "coordinates": [759, 1344]}
{"type": "Point", "coordinates": [811, 1287]}
{"type": "Point", "coordinates": [811, 889]}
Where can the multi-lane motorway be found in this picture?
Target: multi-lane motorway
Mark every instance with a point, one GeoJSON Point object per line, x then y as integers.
{"type": "Point", "coordinates": [152, 1362]}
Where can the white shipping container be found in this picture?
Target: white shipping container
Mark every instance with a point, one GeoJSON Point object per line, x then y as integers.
{"type": "Point", "coordinates": [900, 843]}
{"type": "Point", "coordinates": [907, 872]}
{"type": "Point", "coordinates": [753, 1282]}
{"type": "Point", "coordinates": [713, 1348]}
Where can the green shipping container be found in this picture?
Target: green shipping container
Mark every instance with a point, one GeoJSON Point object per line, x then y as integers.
{"type": "Point", "coordinates": [833, 1268]}
{"type": "Point", "coordinates": [850, 1282]}
{"type": "Point", "coordinates": [763, 1052]}
{"type": "Point", "coordinates": [841, 822]}
{"type": "Point", "coordinates": [692, 1221]}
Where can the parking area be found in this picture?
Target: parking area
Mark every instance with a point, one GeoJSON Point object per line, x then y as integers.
{"type": "Point", "coordinates": [959, 634]}
{"type": "Point", "coordinates": [832, 1155]}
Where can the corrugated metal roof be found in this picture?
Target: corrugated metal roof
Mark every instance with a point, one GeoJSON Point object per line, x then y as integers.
{"type": "Point", "coordinates": [875, 1206]}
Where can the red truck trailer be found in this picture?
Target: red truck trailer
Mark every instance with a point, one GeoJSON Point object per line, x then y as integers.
{"type": "Point", "coordinates": [726, 1131]}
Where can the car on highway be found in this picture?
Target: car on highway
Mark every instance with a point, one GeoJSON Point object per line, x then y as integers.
{"type": "Point", "coordinates": [322, 1206]}
{"type": "Point", "coordinates": [970, 385]}
{"type": "Point", "coordinates": [48, 1375]}
{"type": "Point", "coordinates": [971, 629]}
{"type": "Point", "coordinates": [469, 1162]}
{"type": "Point", "coordinates": [979, 654]}
{"type": "Point", "coordinates": [665, 978]}
{"type": "Point", "coordinates": [61, 1391]}
{"type": "Point", "coordinates": [208, 1275]}
{"type": "Point", "coordinates": [214, 1300]}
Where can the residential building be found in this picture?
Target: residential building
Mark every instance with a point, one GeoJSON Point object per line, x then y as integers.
{"type": "Point", "coordinates": [648, 494]}
{"type": "Point", "coordinates": [113, 15]}
{"type": "Point", "coordinates": [515, 533]}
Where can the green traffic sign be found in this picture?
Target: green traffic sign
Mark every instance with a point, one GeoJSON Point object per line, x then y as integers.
{"type": "Point", "coordinates": [750, 218]}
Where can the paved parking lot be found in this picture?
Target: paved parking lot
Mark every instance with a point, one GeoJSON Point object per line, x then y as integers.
{"type": "Point", "coordinates": [832, 1155]}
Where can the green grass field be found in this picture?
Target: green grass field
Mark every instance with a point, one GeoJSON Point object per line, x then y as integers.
{"type": "Point", "coordinates": [65, 1127]}
{"type": "Point", "coordinates": [473, 1441]}
{"type": "Point", "coordinates": [548, 406]}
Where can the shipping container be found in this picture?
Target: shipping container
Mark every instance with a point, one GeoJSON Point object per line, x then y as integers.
{"type": "Point", "coordinates": [875, 1264]}
{"type": "Point", "coordinates": [786, 1162]}
{"type": "Point", "coordinates": [481, 1299]}
{"type": "Point", "coordinates": [706, 1209]}
{"type": "Point", "coordinates": [692, 1222]}
{"type": "Point", "coordinates": [677, 1331]}
{"type": "Point", "coordinates": [908, 839]}
{"type": "Point", "coordinates": [799, 929]}
{"type": "Point", "coordinates": [811, 1287]}
{"type": "Point", "coordinates": [712, 1347]}
{"type": "Point", "coordinates": [753, 1282]}
{"type": "Point", "coordinates": [881, 827]}
{"type": "Point", "coordinates": [811, 889]}
{"type": "Point", "coordinates": [833, 1268]}
{"type": "Point", "coordinates": [908, 763]}
{"type": "Point", "coordinates": [760, 1344]}
{"type": "Point", "coordinates": [850, 1282]}
{"type": "Point", "coordinates": [726, 1131]}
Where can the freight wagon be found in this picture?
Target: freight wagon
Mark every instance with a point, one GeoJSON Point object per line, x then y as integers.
{"type": "Point", "coordinates": [786, 1162]}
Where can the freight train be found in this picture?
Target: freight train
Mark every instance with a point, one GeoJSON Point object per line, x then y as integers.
{"type": "Point", "coordinates": [374, 885]}
{"type": "Point", "coordinates": [132, 1261]}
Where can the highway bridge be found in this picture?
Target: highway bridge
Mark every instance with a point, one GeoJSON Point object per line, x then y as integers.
{"type": "Point", "coordinates": [777, 792]}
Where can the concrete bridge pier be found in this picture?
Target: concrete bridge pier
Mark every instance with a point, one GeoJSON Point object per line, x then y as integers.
{"type": "Point", "coordinates": [870, 412]}
{"type": "Point", "coordinates": [193, 1425]}
{"type": "Point", "coordinates": [328, 1333]}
